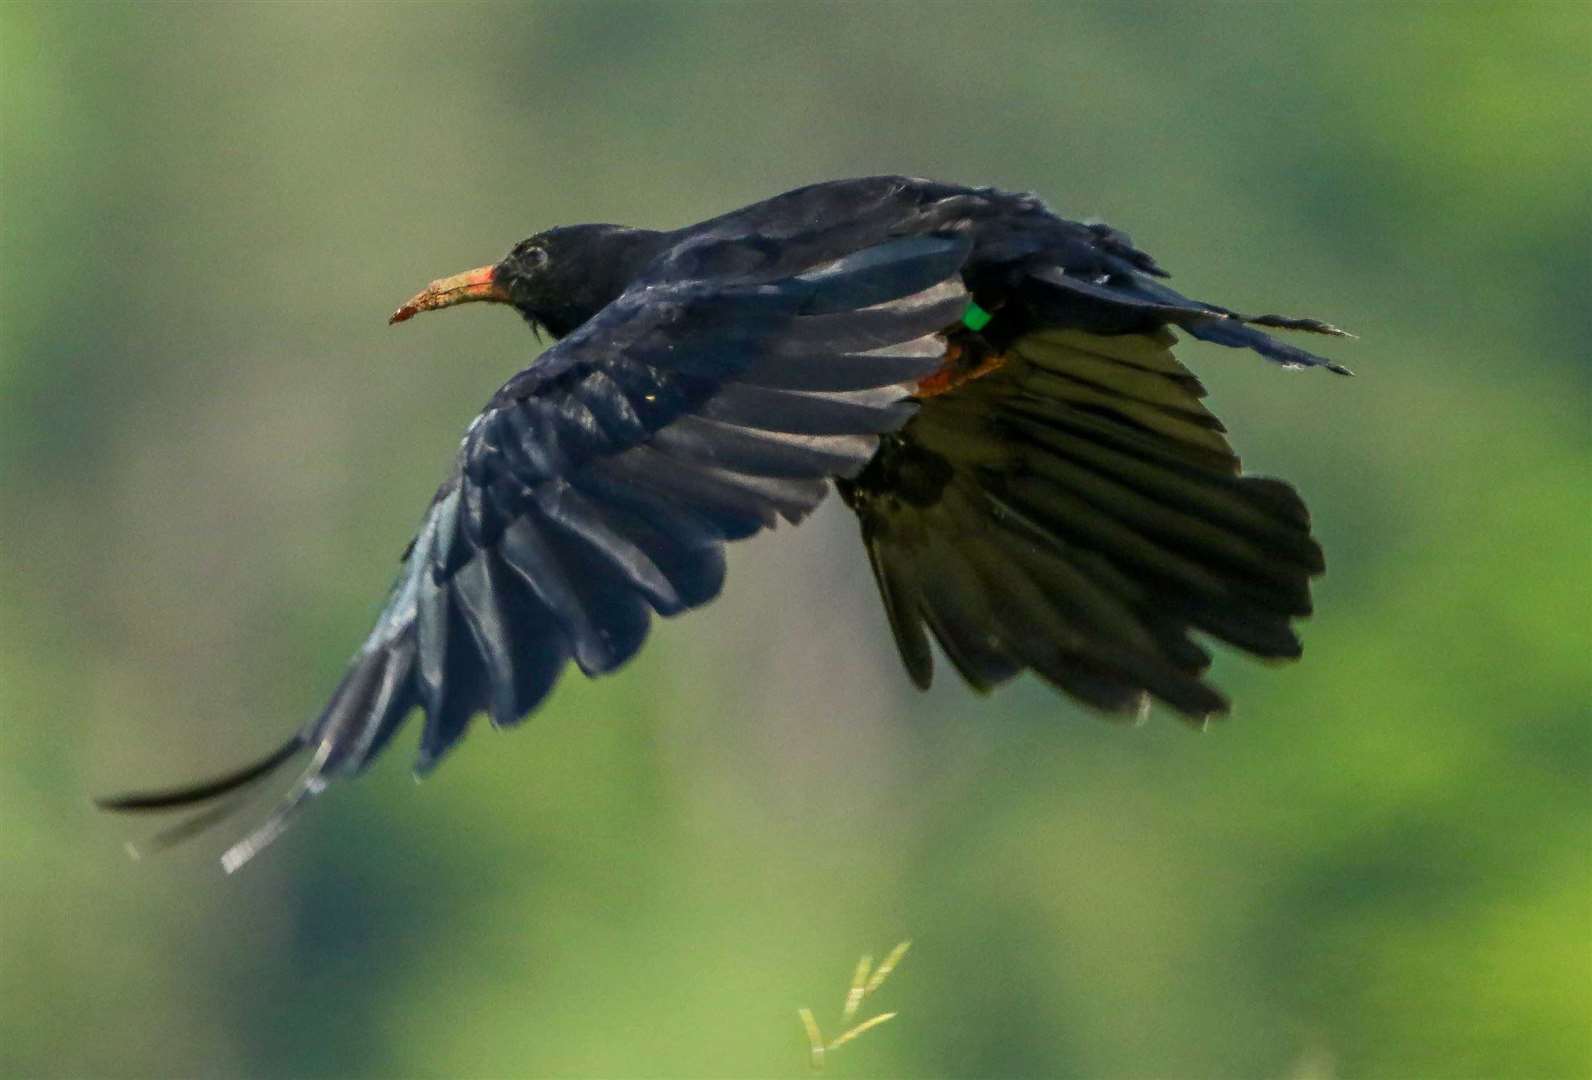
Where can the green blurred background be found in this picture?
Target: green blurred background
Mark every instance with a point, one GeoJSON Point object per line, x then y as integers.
{"type": "Point", "coordinates": [213, 449]}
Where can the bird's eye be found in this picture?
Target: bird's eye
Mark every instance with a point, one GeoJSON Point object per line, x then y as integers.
{"type": "Point", "coordinates": [535, 257]}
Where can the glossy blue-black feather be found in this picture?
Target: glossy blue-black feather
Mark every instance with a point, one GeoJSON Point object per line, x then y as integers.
{"type": "Point", "coordinates": [600, 482]}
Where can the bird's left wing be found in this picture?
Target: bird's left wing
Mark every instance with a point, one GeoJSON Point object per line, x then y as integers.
{"type": "Point", "coordinates": [603, 481]}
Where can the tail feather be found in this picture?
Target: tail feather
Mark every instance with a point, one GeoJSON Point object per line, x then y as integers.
{"type": "Point", "coordinates": [1237, 335]}
{"type": "Point", "coordinates": [1134, 303]}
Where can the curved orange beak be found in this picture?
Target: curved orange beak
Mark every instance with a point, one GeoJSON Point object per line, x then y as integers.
{"type": "Point", "coordinates": [465, 288]}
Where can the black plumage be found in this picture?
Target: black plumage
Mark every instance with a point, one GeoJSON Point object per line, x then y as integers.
{"type": "Point", "coordinates": [990, 386]}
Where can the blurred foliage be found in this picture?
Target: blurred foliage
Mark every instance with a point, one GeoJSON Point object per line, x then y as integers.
{"type": "Point", "coordinates": [212, 449]}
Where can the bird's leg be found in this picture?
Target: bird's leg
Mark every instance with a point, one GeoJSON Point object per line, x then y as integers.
{"type": "Point", "coordinates": [967, 357]}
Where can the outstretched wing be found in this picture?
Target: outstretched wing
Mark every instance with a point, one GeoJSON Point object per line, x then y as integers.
{"type": "Point", "coordinates": [601, 484]}
{"type": "Point", "coordinates": [1072, 507]}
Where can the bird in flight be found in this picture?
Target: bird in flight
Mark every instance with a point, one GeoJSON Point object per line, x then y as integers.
{"type": "Point", "coordinates": [990, 388]}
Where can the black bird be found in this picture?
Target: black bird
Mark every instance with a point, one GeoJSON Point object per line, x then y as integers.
{"type": "Point", "coordinates": [990, 387]}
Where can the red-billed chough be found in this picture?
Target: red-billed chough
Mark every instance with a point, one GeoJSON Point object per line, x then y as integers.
{"type": "Point", "coordinates": [990, 387]}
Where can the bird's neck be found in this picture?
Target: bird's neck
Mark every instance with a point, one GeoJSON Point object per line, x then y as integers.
{"type": "Point", "coordinates": [619, 260]}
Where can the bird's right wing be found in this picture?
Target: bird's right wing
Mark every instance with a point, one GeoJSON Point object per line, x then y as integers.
{"type": "Point", "coordinates": [1078, 511]}
{"type": "Point", "coordinates": [604, 480]}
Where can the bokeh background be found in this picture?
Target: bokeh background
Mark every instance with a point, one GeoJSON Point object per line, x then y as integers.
{"type": "Point", "coordinates": [213, 450]}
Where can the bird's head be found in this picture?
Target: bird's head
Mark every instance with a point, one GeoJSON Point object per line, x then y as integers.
{"type": "Point", "coordinates": [556, 279]}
